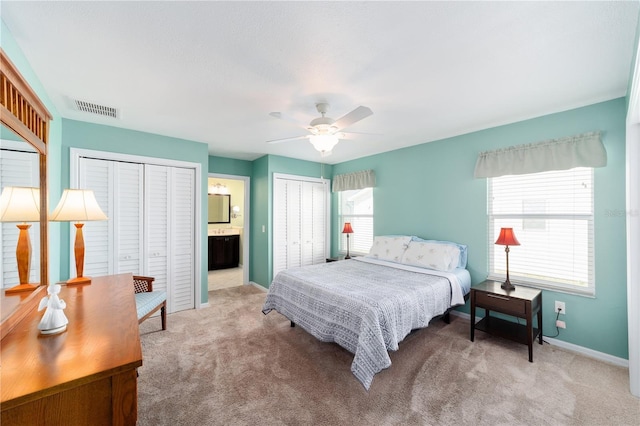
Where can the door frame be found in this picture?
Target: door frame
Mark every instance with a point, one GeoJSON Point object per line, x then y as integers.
{"type": "Point", "coordinates": [246, 221]}
{"type": "Point", "coordinates": [74, 161]}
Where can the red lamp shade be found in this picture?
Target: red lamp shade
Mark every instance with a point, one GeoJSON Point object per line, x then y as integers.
{"type": "Point", "coordinates": [347, 228]}
{"type": "Point", "coordinates": [507, 238]}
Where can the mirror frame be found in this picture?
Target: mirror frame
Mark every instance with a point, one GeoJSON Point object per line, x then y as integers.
{"type": "Point", "coordinates": [228, 212]}
{"type": "Point", "coordinates": [23, 112]}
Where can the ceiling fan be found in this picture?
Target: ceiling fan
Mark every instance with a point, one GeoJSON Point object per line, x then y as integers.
{"type": "Point", "coordinates": [325, 131]}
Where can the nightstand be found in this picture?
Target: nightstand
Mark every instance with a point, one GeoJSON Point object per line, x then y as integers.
{"type": "Point", "coordinates": [522, 302]}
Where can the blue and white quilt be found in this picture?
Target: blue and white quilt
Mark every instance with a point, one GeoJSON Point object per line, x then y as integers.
{"type": "Point", "coordinates": [364, 305]}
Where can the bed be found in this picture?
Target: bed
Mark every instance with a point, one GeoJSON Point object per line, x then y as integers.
{"type": "Point", "coordinates": [369, 304]}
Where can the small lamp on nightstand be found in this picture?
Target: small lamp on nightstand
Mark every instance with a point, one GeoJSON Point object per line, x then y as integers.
{"type": "Point", "coordinates": [347, 230]}
{"type": "Point", "coordinates": [507, 238]}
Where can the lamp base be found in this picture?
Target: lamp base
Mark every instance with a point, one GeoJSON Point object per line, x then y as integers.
{"type": "Point", "coordinates": [79, 280]}
{"type": "Point", "coordinates": [507, 286]}
{"type": "Point", "coordinates": [21, 288]}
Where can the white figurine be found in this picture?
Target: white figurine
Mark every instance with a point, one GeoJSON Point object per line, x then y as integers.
{"type": "Point", "coordinates": [54, 320]}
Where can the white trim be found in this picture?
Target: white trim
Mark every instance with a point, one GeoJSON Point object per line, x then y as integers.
{"type": "Point", "coordinates": [246, 222]}
{"type": "Point", "coordinates": [258, 286]}
{"type": "Point", "coordinates": [17, 146]}
{"type": "Point", "coordinates": [74, 157]}
{"type": "Point", "coordinates": [600, 356]}
{"type": "Point", "coordinates": [632, 159]}
{"type": "Point", "coordinates": [204, 305]}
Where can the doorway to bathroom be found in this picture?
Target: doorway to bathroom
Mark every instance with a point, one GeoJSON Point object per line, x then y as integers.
{"type": "Point", "coordinates": [228, 231]}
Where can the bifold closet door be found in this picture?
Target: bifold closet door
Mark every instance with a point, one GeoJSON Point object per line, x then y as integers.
{"type": "Point", "coordinates": [314, 223]}
{"type": "Point", "coordinates": [170, 223]}
{"type": "Point", "coordinates": [113, 246]}
{"type": "Point", "coordinates": [18, 168]}
{"type": "Point", "coordinates": [151, 226]}
{"type": "Point", "coordinates": [300, 223]}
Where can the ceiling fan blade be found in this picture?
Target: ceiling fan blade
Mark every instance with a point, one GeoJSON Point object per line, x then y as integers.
{"type": "Point", "coordinates": [355, 135]}
{"type": "Point", "coordinates": [286, 117]}
{"type": "Point", "coordinates": [353, 117]}
{"type": "Point", "coordinates": [287, 139]}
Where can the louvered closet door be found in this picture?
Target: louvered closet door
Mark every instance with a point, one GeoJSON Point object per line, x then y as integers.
{"type": "Point", "coordinates": [18, 168]}
{"type": "Point", "coordinates": [170, 233]}
{"type": "Point", "coordinates": [183, 239]}
{"type": "Point", "coordinates": [316, 207]}
{"type": "Point", "coordinates": [280, 232]}
{"type": "Point", "coordinates": [294, 224]}
{"type": "Point", "coordinates": [300, 223]}
{"type": "Point", "coordinates": [157, 219]}
{"type": "Point", "coordinates": [113, 246]}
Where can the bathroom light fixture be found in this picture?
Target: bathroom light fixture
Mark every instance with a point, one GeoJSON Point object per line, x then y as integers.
{"type": "Point", "coordinates": [218, 188]}
{"type": "Point", "coordinates": [235, 212]}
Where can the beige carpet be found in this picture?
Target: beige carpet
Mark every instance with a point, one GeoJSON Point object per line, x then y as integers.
{"type": "Point", "coordinates": [229, 364]}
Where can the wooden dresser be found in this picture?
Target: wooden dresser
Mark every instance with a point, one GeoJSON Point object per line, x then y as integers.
{"type": "Point", "coordinates": [85, 375]}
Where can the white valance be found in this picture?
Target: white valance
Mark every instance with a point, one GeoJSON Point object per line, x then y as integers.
{"type": "Point", "coordinates": [585, 150]}
{"type": "Point", "coordinates": [355, 180]}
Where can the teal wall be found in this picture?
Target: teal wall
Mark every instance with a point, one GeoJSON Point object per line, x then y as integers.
{"type": "Point", "coordinates": [79, 134]}
{"type": "Point", "coordinates": [429, 190]}
{"type": "Point", "coordinates": [9, 45]}
{"type": "Point", "coordinates": [230, 166]}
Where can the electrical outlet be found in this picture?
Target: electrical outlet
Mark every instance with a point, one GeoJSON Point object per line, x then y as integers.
{"type": "Point", "coordinates": [561, 324]}
{"type": "Point", "coordinates": [560, 306]}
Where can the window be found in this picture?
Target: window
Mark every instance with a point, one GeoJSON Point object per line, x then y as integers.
{"type": "Point", "coordinates": [551, 214]}
{"type": "Point", "coordinates": [356, 206]}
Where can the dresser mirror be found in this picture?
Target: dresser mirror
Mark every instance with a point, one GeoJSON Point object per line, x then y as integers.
{"type": "Point", "coordinates": [24, 118]}
{"type": "Point", "coordinates": [19, 166]}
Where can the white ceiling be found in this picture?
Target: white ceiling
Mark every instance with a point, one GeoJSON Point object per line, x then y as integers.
{"type": "Point", "coordinates": [212, 71]}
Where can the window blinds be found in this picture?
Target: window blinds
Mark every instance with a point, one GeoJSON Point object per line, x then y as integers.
{"type": "Point", "coordinates": [552, 216]}
{"type": "Point", "coordinates": [355, 180]}
{"type": "Point", "coordinates": [584, 150]}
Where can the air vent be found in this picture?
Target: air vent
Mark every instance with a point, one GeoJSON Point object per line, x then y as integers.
{"type": "Point", "coordinates": [97, 109]}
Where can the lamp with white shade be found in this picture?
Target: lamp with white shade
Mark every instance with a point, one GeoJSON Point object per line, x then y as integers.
{"type": "Point", "coordinates": [21, 204]}
{"type": "Point", "coordinates": [78, 205]}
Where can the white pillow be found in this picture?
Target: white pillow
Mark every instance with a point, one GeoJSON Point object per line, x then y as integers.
{"type": "Point", "coordinates": [389, 248]}
{"type": "Point", "coordinates": [442, 257]}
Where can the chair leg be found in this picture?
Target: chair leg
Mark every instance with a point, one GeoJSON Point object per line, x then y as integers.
{"type": "Point", "coordinates": [163, 315]}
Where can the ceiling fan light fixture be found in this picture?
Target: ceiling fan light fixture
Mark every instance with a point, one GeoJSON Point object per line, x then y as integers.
{"type": "Point", "coordinates": [323, 143]}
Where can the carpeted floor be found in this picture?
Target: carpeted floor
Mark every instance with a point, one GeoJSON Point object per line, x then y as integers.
{"type": "Point", "coordinates": [229, 364]}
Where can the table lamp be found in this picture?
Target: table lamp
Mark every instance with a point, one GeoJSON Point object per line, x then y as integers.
{"type": "Point", "coordinates": [21, 204]}
{"type": "Point", "coordinates": [507, 238]}
{"type": "Point", "coordinates": [78, 205]}
{"type": "Point", "coordinates": [347, 230]}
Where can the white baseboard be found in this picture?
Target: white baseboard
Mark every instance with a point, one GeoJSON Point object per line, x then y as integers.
{"type": "Point", "coordinates": [203, 305]}
{"type": "Point", "coordinates": [601, 356]}
{"type": "Point", "coordinates": [258, 286]}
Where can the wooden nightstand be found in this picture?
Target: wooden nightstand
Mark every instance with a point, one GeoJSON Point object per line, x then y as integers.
{"type": "Point", "coordinates": [522, 302]}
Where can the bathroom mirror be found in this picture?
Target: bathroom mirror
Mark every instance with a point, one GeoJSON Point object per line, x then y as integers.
{"type": "Point", "coordinates": [219, 208]}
